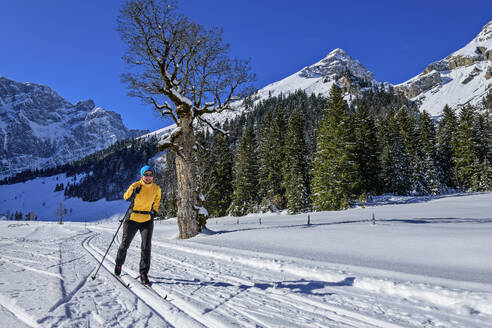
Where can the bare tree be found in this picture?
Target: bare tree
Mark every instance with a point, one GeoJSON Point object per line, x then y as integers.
{"type": "Point", "coordinates": [184, 70]}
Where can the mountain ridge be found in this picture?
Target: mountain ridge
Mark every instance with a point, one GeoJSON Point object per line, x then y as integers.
{"type": "Point", "coordinates": [40, 129]}
{"type": "Point", "coordinates": [461, 78]}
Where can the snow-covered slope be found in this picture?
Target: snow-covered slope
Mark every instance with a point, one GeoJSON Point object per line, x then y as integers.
{"type": "Point", "coordinates": [423, 264]}
{"type": "Point", "coordinates": [39, 129]}
{"type": "Point", "coordinates": [337, 67]}
{"type": "Point", "coordinates": [318, 78]}
{"type": "Point", "coordinates": [464, 77]}
{"type": "Point", "coordinates": [40, 197]}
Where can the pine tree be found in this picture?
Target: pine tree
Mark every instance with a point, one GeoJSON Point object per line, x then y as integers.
{"type": "Point", "coordinates": [488, 127]}
{"type": "Point", "coordinates": [409, 132]}
{"type": "Point", "coordinates": [271, 158]}
{"type": "Point", "coordinates": [245, 173]}
{"type": "Point", "coordinates": [334, 183]}
{"type": "Point", "coordinates": [395, 171]}
{"type": "Point", "coordinates": [445, 144]}
{"type": "Point", "coordinates": [482, 176]}
{"type": "Point", "coordinates": [265, 160]}
{"type": "Point", "coordinates": [407, 123]}
{"type": "Point", "coordinates": [219, 192]}
{"type": "Point", "coordinates": [483, 136]}
{"type": "Point", "coordinates": [367, 151]}
{"type": "Point", "coordinates": [426, 156]}
{"type": "Point", "coordinates": [295, 174]}
{"type": "Point", "coordinates": [467, 164]}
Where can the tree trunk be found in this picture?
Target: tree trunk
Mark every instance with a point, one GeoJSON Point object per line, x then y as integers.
{"type": "Point", "coordinates": [188, 221]}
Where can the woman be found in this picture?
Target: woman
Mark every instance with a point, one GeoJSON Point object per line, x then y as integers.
{"type": "Point", "coordinates": [147, 197]}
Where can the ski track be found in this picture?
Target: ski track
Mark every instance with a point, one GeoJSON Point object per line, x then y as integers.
{"type": "Point", "coordinates": [168, 312]}
{"type": "Point", "coordinates": [184, 301]}
{"type": "Point", "coordinates": [196, 307]}
{"type": "Point", "coordinates": [428, 315]}
{"type": "Point", "coordinates": [19, 313]}
{"type": "Point", "coordinates": [25, 267]}
{"type": "Point", "coordinates": [72, 308]}
{"type": "Point", "coordinates": [219, 287]}
{"type": "Point", "coordinates": [330, 312]}
{"type": "Point", "coordinates": [346, 310]}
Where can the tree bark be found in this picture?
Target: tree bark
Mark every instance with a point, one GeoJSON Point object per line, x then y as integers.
{"type": "Point", "coordinates": [188, 222]}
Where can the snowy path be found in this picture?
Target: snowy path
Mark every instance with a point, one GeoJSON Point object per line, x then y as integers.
{"type": "Point", "coordinates": [222, 279]}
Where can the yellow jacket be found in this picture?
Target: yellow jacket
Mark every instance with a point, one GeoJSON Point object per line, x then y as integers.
{"type": "Point", "coordinates": [149, 194]}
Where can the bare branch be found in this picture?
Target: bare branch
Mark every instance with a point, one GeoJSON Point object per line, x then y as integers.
{"type": "Point", "coordinates": [165, 109]}
{"type": "Point", "coordinates": [219, 130]}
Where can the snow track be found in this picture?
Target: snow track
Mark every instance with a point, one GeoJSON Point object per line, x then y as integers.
{"type": "Point", "coordinates": [243, 306]}
{"type": "Point", "coordinates": [277, 274]}
{"type": "Point", "coordinates": [277, 295]}
{"type": "Point", "coordinates": [347, 300]}
{"type": "Point", "coordinates": [18, 312]}
{"type": "Point", "coordinates": [155, 300]}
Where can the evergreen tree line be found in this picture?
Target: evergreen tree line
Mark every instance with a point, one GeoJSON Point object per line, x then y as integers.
{"type": "Point", "coordinates": [103, 174]}
{"type": "Point", "coordinates": [110, 175]}
{"type": "Point", "coordinates": [18, 215]}
{"type": "Point", "coordinates": [305, 152]}
{"type": "Point", "coordinates": [270, 162]}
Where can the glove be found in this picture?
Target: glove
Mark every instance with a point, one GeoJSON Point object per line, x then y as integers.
{"type": "Point", "coordinates": [153, 214]}
{"type": "Point", "coordinates": [136, 191]}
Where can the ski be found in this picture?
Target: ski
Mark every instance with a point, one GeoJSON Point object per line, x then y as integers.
{"type": "Point", "coordinates": [149, 287]}
{"type": "Point", "coordinates": [121, 281]}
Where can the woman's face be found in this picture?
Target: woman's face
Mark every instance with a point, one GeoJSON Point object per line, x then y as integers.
{"type": "Point", "coordinates": [148, 177]}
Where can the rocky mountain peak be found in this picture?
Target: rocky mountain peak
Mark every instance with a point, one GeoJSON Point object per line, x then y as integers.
{"type": "Point", "coordinates": [86, 105]}
{"type": "Point", "coordinates": [40, 129]}
{"type": "Point", "coordinates": [335, 65]}
{"type": "Point", "coordinates": [486, 33]}
{"type": "Point", "coordinates": [467, 70]}
{"type": "Point", "coordinates": [338, 52]}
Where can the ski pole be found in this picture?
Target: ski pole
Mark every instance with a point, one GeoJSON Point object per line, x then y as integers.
{"type": "Point", "coordinates": [121, 223]}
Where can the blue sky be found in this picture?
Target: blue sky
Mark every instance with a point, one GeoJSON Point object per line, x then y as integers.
{"type": "Point", "coordinates": [73, 46]}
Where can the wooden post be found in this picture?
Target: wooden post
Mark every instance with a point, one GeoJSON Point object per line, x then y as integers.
{"type": "Point", "coordinates": [309, 220]}
{"type": "Point", "coordinates": [373, 219]}
{"type": "Point", "coordinates": [260, 220]}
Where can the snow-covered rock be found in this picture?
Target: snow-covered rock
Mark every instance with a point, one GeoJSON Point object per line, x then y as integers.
{"type": "Point", "coordinates": [318, 78]}
{"type": "Point", "coordinates": [40, 129]}
{"type": "Point", "coordinates": [464, 77]}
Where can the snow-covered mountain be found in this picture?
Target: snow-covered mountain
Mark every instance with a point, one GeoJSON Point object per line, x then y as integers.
{"type": "Point", "coordinates": [40, 129]}
{"type": "Point", "coordinates": [318, 78]}
{"type": "Point", "coordinates": [337, 67]}
{"type": "Point", "coordinates": [464, 77]}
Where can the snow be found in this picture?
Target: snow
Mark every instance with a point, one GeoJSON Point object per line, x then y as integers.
{"type": "Point", "coordinates": [159, 133]}
{"type": "Point", "coordinates": [461, 85]}
{"type": "Point", "coordinates": [38, 195]}
{"type": "Point", "coordinates": [319, 77]}
{"type": "Point", "coordinates": [53, 132]}
{"type": "Point", "coordinates": [181, 97]}
{"type": "Point", "coordinates": [483, 39]}
{"type": "Point", "coordinates": [453, 92]}
{"type": "Point", "coordinates": [425, 263]}
{"type": "Point", "coordinates": [314, 79]}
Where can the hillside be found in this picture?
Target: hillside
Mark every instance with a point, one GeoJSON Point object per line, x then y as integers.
{"type": "Point", "coordinates": [463, 77]}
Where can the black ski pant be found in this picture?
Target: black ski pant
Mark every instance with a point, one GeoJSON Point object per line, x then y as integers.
{"type": "Point", "coordinates": [130, 228]}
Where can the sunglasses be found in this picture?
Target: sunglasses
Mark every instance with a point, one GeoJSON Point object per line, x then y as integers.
{"type": "Point", "coordinates": [148, 174]}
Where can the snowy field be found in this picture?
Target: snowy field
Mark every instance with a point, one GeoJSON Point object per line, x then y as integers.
{"type": "Point", "coordinates": [425, 263]}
